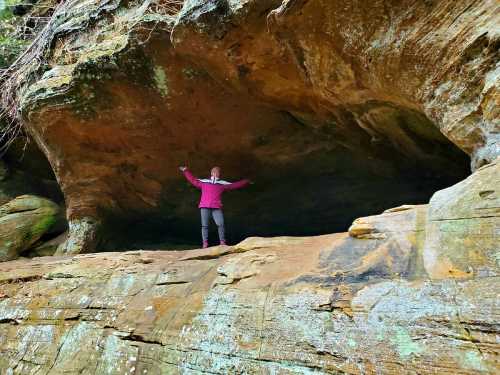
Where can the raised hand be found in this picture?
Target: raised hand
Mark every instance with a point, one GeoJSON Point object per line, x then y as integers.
{"type": "Point", "coordinates": [182, 168]}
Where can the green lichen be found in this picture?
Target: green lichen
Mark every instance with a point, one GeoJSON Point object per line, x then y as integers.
{"type": "Point", "coordinates": [404, 344]}
{"type": "Point", "coordinates": [351, 343]}
{"type": "Point", "coordinates": [496, 256]}
{"type": "Point", "coordinates": [192, 73]}
{"type": "Point", "coordinates": [34, 233]}
{"type": "Point", "coordinates": [472, 360]}
{"type": "Point", "coordinates": [44, 224]}
{"type": "Point", "coordinates": [76, 69]}
{"type": "Point", "coordinates": [161, 80]}
{"type": "Point", "coordinates": [113, 43]}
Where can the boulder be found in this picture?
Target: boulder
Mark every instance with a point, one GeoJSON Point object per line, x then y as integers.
{"type": "Point", "coordinates": [394, 239]}
{"type": "Point", "coordinates": [456, 234]}
{"type": "Point", "coordinates": [46, 248]}
{"type": "Point", "coordinates": [23, 221]}
{"type": "Point", "coordinates": [463, 227]}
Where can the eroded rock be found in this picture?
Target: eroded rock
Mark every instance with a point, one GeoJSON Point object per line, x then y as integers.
{"type": "Point", "coordinates": [463, 226]}
{"type": "Point", "coordinates": [288, 304]}
{"type": "Point", "coordinates": [280, 308]}
{"type": "Point", "coordinates": [343, 54]}
{"type": "Point", "coordinates": [338, 103]}
{"type": "Point", "coordinates": [355, 125]}
{"type": "Point", "coordinates": [23, 221]}
{"type": "Point", "coordinates": [456, 233]}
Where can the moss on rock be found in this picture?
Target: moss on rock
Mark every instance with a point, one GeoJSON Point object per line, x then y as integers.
{"type": "Point", "coordinates": [23, 221]}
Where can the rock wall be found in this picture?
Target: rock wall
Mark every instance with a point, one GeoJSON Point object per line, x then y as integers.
{"type": "Point", "coordinates": [332, 107]}
{"type": "Point", "coordinates": [320, 97]}
{"type": "Point", "coordinates": [436, 57]}
{"type": "Point", "coordinates": [365, 303]}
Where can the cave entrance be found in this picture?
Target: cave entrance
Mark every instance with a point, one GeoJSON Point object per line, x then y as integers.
{"type": "Point", "coordinates": [24, 169]}
{"type": "Point", "coordinates": [311, 177]}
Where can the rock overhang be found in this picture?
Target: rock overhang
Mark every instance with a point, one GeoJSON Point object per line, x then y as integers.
{"type": "Point", "coordinates": [241, 84]}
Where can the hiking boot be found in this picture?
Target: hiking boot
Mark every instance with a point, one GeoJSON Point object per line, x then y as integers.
{"type": "Point", "coordinates": [205, 244]}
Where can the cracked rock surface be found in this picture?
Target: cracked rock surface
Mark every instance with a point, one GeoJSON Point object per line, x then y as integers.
{"type": "Point", "coordinates": [338, 109]}
{"type": "Point", "coordinates": [393, 300]}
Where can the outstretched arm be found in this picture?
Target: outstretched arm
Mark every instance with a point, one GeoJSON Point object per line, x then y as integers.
{"type": "Point", "coordinates": [237, 184]}
{"type": "Point", "coordinates": [189, 176]}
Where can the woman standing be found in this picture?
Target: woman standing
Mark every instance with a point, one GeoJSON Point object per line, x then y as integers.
{"type": "Point", "coordinates": [210, 202]}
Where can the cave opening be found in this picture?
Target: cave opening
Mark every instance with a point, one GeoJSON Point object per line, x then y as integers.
{"type": "Point", "coordinates": [317, 163]}
{"type": "Point", "coordinates": [311, 178]}
{"type": "Point", "coordinates": [26, 171]}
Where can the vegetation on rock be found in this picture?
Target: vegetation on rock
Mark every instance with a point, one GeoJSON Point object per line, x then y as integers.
{"type": "Point", "coordinates": [23, 221]}
{"type": "Point", "coordinates": [11, 45]}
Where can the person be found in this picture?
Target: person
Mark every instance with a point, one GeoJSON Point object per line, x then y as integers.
{"type": "Point", "coordinates": [210, 202]}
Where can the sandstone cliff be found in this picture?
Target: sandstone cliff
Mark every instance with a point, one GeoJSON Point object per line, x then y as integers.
{"type": "Point", "coordinates": [354, 105]}
{"type": "Point", "coordinates": [338, 109]}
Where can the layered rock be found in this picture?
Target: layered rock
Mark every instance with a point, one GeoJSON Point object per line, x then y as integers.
{"type": "Point", "coordinates": [457, 232]}
{"type": "Point", "coordinates": [332, 107]}
{"type": "Point", "coordinates": [345, 105]}
{"type": "Point", "coordinates": [289, 305]}
{"type": "Point", "coordinates": [439, 58]}
{"type": "Point", "coordinates": [23, 221]}
{"type": "Point", "coordinates": [463, 226]}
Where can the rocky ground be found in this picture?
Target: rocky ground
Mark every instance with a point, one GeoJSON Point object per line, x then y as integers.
{"type": "Point", "coordinates": [413, 290]}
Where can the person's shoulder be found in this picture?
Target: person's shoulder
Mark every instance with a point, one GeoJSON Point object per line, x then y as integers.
{"type": "Point", "coordinates": [204, 182]}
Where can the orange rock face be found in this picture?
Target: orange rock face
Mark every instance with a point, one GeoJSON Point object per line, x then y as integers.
{"type": "Point", "coordinates": [336, 112]}
{"type": "Point", "coordinates": [438, 58]}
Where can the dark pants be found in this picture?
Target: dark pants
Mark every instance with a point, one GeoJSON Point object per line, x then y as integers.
{"type": "Point", "coordinates": [218, 217]}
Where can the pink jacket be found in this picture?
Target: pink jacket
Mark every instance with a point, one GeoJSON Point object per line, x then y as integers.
{"type": "Point", "coordinates": [211, 193]}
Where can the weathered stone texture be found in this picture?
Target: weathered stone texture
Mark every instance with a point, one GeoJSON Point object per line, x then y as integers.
{"type": "Point", "coordinates": [438, 57]}
{"type": "Point", "coordinates": [464, 226]}
{"type": "Point", "coordinates": [326, 92]}
{"type": "Point", "coordinates": [349, 103]}
{"type": "Point", "coordinates": [23, 221]}
{"type": "Point", "coordinates": [340, 303]}
{"type": "Point", "coordinates": [116, 312]}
